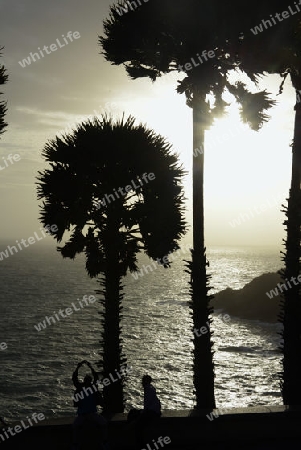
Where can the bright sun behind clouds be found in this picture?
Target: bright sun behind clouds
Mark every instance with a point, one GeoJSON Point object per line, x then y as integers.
{"type": "Point", "coordinates": [243, 168]}
{"type": "Point", "coordinates": [247, 174]}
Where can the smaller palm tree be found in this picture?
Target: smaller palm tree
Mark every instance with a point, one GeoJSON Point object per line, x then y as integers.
{"type": "Point", "coordinates": [3, 79]}
{"type": "Point", "coordinates": [115, 187]}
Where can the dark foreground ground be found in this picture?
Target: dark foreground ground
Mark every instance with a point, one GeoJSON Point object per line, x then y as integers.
{"type": "Point", "coordinates": [244, 428]}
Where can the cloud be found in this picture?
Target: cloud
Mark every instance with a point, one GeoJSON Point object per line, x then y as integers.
{"type": "Point", "coordinates": [57, 119]}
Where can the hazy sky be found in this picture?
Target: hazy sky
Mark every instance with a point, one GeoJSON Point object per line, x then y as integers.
{"type": "Point", "coordinates": [245, 172]}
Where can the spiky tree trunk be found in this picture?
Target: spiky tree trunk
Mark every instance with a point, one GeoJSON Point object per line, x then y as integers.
{"type": "Point", "coordinates": [203, 375]}
{"type": "Point", "coordinates": [290, 315]}
{"type": "Point", "coordinates": [3, 109]}
{"type": "Point", "coordinates": [111, 336]}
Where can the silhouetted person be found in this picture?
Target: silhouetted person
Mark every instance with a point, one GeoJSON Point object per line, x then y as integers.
{"type": "Point", "coordinates": [3, 421]}
{"type": "Point", "coordinates": [150, 413]}
{"type": "Point", "coordinates": [86, 398]}
{"type": "Point", "coordinates": [152, 405]}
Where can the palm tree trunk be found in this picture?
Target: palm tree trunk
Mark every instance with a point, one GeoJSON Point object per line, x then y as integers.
{"type": "Point", "coordinates": [112, 348]}
{"type": "Point", "coordinates": [203, 376]}
{"type": "Point", "coordinates": [290, 315]}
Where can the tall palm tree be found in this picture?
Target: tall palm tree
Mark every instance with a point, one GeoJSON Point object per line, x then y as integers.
{"type": "Point", "coordinates": [163, 36]}
{"type": "Point", "coordinates": [115, 188]}
{"type": "Point", "coordinates": [278, 51]}
{"type": "Point", "coordinates": [290, 315]}
{"type": "Point", "coordinates": [3, 79]}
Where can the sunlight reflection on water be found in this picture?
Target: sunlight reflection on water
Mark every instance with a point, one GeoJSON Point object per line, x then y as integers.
{"type": "Point", "coordinates": [37, 366]}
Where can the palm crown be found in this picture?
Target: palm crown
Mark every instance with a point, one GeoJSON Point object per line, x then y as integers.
{"type": "Point", "coordinates": [163, 36]}
{"type": "Point", "coordinates": [86, 186]}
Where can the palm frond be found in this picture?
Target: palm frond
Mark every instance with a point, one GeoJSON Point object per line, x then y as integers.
{"type": "Point", "coordinates": [74, 246]}
{"type": "Point", "coordinates": [252, 105]}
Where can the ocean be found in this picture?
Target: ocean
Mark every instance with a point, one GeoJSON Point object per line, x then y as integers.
{"type": "Point", "coordinates": [37, 366]}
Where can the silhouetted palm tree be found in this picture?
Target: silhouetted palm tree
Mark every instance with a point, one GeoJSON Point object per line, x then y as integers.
{"type": "Point", "coordinates": [116, 188]}
{"type": "Point", "coordinates": [163, 36]}
{"type": "Point", "coordinates": [278, 50]}
{"type": "Point", "coordinates": [289, 63]}
{"type": "Point", "coordinates": [3, 79]}
{"type": "Point", "coordinates": [290, 315]}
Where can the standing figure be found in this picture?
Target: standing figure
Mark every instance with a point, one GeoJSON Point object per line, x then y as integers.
{"type": "Point", "coordinates": [150, 413]}
{"type": "Point", "coordinates": [152, 405]}
{"type": "Point", "coordinates": [86, 398]}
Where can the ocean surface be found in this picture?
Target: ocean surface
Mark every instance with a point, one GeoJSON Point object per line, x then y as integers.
{"type": "Point", "coordinates": [36, 366]}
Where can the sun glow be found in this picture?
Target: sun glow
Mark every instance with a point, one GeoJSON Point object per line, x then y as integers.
{"type": "Point", "coordinates": [243, 168]}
